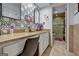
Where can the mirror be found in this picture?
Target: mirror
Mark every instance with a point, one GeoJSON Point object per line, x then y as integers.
{"type": "Point", "coordinates": [11, 10]}
{"type": "Point", "coordinates": [28, 12]}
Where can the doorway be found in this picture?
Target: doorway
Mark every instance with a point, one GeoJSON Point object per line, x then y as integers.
{"type": "Point", "coordinates": [59, 32]}
{"type": "Point", "coordinates": [59, 26]}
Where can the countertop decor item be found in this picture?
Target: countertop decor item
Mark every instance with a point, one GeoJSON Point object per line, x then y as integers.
{"type": "Point", "coordinates": [28, 18]}
{"type": "Point", "coordinates": [12, 27]}
{"type": "Point", "coordinates": [39, 26]}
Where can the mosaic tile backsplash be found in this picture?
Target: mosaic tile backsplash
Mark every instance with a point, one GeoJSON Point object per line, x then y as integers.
{"type": "Point", "coordinates": [5, 23]}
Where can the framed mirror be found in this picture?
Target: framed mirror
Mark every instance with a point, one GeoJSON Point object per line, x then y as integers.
{"type": "Point", "coordinates": [28, 12]}
{"type": "Point", "coordinates": [11, 10]}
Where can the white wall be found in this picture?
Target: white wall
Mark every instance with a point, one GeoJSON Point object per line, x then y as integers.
{"type": "Point", "coordinates": [76, 19]}
{"type": "Point", "coordinates": [48, 22]}
{"type": "Point", "coordinates": [71, 14]}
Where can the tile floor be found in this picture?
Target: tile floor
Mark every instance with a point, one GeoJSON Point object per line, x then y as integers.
{"type": "Point", "coordinates": [59, 49]}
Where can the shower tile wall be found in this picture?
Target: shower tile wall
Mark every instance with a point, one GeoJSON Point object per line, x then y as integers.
{"type": "Point", "coordinates": [58, 27]}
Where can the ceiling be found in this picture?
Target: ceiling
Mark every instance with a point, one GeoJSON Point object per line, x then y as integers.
{"type": "Point", "coordinates": [59, 9]}
{"type": "Point", "coordinates": [43, 5]}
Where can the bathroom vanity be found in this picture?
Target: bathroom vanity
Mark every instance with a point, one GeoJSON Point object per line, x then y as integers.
{"type": "Point", "coordinates": [13, 44]}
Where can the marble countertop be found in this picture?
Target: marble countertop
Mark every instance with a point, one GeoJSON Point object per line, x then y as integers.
{"type": "Point", "coordinates": [16, 36]}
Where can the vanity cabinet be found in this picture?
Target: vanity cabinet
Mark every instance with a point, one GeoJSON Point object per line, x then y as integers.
{"type": "Point", "coordinates": [11, 10]}
{"type": "Point", "coordinates": [16, 45]}
{"type": "Point", "coordinates": [43, 42]}
{"type": "Point", "coordinates": [16, 48]}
